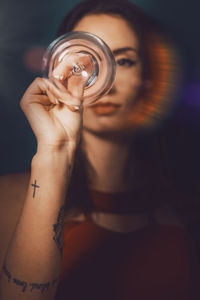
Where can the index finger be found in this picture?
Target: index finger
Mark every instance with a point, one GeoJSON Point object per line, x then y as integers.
{"type": "Point", "coordinates": [37, 87]}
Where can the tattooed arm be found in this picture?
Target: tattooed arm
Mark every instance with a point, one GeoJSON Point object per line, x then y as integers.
{"type": "Point", "coordinates": [32, 264]}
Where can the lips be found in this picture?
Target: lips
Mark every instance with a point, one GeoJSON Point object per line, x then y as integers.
{"type": "Point", "coordinates": [105, 108]}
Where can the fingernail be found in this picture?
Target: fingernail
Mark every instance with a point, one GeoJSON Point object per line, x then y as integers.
{"type": "Point", "coordinates": [76, 107]}
{"type": "Point", "coordinates": [60, 77]}
{"type": "Point", "coordinates": [56, 100]}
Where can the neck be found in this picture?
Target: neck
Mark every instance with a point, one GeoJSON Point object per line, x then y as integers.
{"type": "Point", "coordinates": [111, 164]}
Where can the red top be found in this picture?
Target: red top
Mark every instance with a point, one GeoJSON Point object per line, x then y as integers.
{"type": "Point", "coordinates": [158, 262]}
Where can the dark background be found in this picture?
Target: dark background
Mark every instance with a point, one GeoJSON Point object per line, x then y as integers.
{"type": "Point", "coordinates": [27, 28]}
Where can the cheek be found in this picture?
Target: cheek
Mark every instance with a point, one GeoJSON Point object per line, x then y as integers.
{"type": "Point", "coordinates": [131, 85]}
{"type": "Point", "coordinates": [130, 89]}
{"type": "Point", "coordinates": [129, 79]}
{"type": "Point", "coordinates": [135, 81]}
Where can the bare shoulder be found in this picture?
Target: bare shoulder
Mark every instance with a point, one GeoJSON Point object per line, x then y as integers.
{"type": "Point", "coordinates": [13, 188]}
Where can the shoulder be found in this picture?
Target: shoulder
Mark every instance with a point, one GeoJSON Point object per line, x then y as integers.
{"type": "Point", "coordinates": [13, 189]}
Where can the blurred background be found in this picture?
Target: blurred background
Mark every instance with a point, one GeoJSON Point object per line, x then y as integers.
{"type": "Point", "coordinates": [27, 28]}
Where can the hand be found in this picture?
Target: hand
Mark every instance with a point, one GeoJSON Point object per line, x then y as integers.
{"type": "Point", "coordinates": [54, 112]}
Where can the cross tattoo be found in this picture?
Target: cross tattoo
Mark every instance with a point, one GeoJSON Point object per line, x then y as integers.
{"type": "Point", "coordinates": [35, 186]}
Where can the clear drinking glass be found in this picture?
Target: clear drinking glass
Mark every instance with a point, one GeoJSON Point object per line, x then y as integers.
{"type": "Point", "coordinates": [91, 60]}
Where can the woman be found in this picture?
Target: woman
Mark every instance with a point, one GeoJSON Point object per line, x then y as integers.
{"type": "Point", "coordinates": [127, 245]}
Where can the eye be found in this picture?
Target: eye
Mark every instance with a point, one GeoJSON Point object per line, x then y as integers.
{"type": "Point", "coordinates": [125, 62]}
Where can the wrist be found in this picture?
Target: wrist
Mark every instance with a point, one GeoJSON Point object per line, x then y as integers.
{"type": "Point", "coordinates": [65, 148]}
{"type": "Point", "coordinates": [52, 167]}
{"type": "Point", "coordinates": [53, 159]}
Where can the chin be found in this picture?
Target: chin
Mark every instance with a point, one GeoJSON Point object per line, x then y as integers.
{"type": "Point", "coordinates": [114, 123]}
{"type": "Point", "coordinates": [102, 123]}
{"type": "Point", "coordinates": [109, 131]}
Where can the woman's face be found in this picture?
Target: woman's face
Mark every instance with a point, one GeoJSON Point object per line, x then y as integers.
{"type": "Point", "coordinates": [109, 112]}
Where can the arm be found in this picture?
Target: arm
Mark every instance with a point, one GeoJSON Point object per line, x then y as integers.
{"type": "Point", "coordinates": [32, 262]}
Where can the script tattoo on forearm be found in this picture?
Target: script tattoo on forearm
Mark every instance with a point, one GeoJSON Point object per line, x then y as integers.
{"type": "Point", "coordinates": [35, 187]}
{"type": "Point", "coordinates": [6, 273]}
{"type": "Point", "coordinates": [58, 227]}
{"type": "Point", "coordinates": [25, 286]}
{"type": "Point", "coordinates": [21, 283]}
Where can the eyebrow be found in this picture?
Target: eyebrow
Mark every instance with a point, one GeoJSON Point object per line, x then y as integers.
{"type": "Point", "coordinates": [124, 49]}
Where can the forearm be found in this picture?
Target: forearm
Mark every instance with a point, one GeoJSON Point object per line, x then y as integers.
{"type": "Point", "coordinates": [32, 263]}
